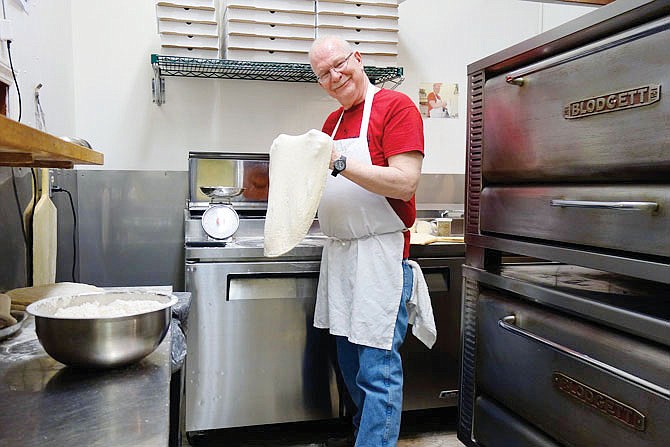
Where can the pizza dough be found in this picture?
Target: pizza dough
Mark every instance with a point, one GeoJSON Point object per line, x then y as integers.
{"type": "Point", "coordinates": [27, 295]}
{"type": "Point", "coordinates": [6, 318]}
{"type": "Point", "coordinates": [298, 169]}
{"type": "Point", "coordinates": [425, 239]}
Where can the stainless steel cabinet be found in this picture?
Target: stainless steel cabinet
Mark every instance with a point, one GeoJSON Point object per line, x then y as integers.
{"type": "Point", "coordinates": [254, 356]}
{"type": "Point", "coordinates": [431, 375]}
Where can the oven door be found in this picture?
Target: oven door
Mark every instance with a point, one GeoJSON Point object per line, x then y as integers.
{"type": "Point", "coordinates": [254, 356]}
{"type": "Point", "coordinates": [594, 114]}
{"type": "Point", "coordinates": [581, 384]}
{"type": "Point", "coordinates": [627, 217]}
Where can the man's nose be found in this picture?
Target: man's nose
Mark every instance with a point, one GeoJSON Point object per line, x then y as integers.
{"type": "Point", "coordinates": [334, 72]}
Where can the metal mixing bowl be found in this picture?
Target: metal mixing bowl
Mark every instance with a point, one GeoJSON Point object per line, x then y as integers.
{"type": "Point", "coordinates": [101, 342]}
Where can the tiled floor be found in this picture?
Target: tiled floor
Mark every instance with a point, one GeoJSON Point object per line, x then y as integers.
{"type": "Point", "coordinates": [430, 428]}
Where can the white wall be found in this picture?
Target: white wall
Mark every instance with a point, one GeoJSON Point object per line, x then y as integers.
{"type": "Point", "coordinates": [114, 105]}
{"type": "Point", "coordinates": [42, 53]}
{"type": "Point", "coordinates": [96, 71]}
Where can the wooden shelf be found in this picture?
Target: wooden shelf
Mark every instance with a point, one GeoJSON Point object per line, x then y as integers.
{"type": "Point", "coordinates": [22, 145]}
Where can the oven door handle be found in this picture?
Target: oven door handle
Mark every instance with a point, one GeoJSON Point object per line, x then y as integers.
{"type": "Point", "coordinates": [625, 206]}
{"type": "Point", "coordinates": [509, 324]}
{"type": "Point", "coordinates": [520, 77]}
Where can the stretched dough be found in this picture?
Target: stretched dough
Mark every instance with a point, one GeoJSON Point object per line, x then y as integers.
{"type": "Point", "coordinates": [298, 169]}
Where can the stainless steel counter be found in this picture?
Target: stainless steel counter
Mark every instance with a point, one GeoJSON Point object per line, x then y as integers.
{"type": "Point", "coordinates": [45, 403]}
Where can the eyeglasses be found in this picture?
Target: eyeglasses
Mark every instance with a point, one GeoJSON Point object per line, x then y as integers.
{"type": "Point", "coordinates": [326, 77]}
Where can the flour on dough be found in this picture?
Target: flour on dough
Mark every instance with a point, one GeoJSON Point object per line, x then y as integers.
{"type": "Point", "coordinates": [27, 295]}
{"type": "Point", "coordinates": [298, 169]}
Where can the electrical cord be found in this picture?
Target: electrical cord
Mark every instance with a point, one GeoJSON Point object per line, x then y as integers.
{"type": "Point", "coordinates": [74, 229]}
{"type": "Point", "coordinates": [18, 204]}
{"type": "Point", "coordinates": [11, 64]}
{"type": "Point", "coordinates": [16, 83]}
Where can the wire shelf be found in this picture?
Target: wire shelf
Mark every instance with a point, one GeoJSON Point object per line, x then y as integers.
{"type": "Point", "coordinates": [249, 70]}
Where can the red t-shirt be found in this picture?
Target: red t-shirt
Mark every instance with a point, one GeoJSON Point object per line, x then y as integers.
{"type": "Point", "coordinates": [395, 127]}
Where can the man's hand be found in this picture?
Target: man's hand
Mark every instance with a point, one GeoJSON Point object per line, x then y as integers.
{"type": "Point", "coordinates": [334, 155]}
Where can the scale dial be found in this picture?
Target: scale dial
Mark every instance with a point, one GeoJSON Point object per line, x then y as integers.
{"type": "Point", "coordinates": [220, 221]}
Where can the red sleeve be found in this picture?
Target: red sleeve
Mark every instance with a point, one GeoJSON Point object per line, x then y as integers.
{"type": "Point", "coordinates": [403, 127]}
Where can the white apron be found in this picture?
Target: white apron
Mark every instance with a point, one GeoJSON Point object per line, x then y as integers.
{"type": "Point", "coordinates": [361, 276]}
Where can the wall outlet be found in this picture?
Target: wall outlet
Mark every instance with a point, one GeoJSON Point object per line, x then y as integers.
{"type": "Point", "coordinates": [6, 30]}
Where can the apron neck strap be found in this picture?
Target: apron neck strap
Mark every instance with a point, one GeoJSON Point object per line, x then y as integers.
{"type": "Point", "coordinates": [369, 94]}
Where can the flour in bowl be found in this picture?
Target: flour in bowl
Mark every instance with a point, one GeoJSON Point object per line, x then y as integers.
{"type": "Point", "coordinates": [117, 308]}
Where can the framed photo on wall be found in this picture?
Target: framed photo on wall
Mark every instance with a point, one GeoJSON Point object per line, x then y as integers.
{"type": "Point", "coordinates": [438, 99]}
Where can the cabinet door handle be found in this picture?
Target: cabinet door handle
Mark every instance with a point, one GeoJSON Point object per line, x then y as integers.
{"type": "Point", "coordinates": [509, 324]}
{"type": "Point", "coordinates": [626, 206]}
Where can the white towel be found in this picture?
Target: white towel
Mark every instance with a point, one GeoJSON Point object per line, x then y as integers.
{"type": "Point", "coordinates": [420, 309]}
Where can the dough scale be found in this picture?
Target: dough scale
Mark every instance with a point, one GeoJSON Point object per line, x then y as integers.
{"type": "Point", "coordinates": [220, 220]}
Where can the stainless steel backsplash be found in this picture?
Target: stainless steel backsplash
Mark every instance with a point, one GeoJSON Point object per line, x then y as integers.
{"type": "Point", "coordinates": [13, 272]}
{"type": "Point", "coordinates": [130, 224]}
{"type": "Point", "coordinates": [441, 189]}
{"type": "Point", "coordinates": [130, 227]}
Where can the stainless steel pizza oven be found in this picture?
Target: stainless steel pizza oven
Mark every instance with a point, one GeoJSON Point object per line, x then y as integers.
{"type": "Point", "coordinates": [566, 320]}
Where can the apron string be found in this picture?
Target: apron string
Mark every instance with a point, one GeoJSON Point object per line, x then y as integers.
{"type": "Point", "coordinates": [337, 126]}
{"type": "Point", "coordinates": [367, 236]}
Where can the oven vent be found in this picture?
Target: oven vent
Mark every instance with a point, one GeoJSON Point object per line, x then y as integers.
{"type": "Point", "coordinates": [469, 331]}
{"type": "Point", "coordinates": [474, 148]}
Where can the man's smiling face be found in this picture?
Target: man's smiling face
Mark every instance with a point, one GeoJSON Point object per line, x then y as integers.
{"type": "Point", "coordinates": [340, 72]}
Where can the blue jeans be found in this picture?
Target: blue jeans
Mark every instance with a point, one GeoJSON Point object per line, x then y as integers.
{"type": "Point", "coordinates": [374, 379]}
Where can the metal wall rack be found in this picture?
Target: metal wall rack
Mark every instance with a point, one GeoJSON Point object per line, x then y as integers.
{"type": "Point", "coordinates": [258, 71]}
